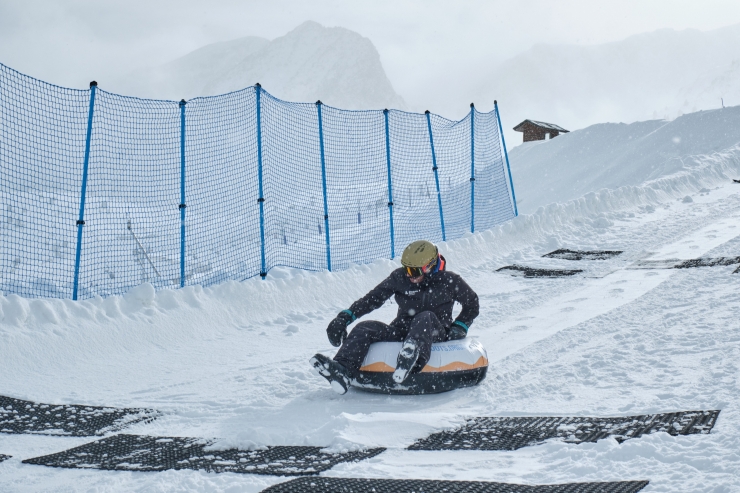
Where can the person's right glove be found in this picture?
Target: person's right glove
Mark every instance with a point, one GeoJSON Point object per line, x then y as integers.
{"type": "Point", "coordinates": [337, 329]}
{"type": "Point", "coordinates": [457, 330]}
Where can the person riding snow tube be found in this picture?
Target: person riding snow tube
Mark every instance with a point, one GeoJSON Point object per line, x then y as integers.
{"type": "Point", "coordinates": [425, 293]}
{"type": "Point", "coordinates": [452, 365]}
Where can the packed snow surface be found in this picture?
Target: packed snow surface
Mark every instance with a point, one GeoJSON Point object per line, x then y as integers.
{"type": "Point", "coordinates": [231, 361]}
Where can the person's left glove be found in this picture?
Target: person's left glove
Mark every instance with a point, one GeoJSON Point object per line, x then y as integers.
{"type": "Point", "coordinates": [337, 329]}
{"type": "Point", "coordinates": [457, 330]}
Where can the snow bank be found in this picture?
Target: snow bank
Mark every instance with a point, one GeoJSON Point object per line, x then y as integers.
{"type": "Point", "coordinates": [698, 149]}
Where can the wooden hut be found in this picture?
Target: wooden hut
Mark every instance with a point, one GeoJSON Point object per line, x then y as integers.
{"type": "Point", "coordinates": [534, 130]}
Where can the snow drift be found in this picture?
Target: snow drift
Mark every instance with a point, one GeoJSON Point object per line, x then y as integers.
{"type": "Point", "coordinates": [691, 148]}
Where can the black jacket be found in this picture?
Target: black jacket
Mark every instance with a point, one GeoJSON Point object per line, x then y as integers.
{"type": "Point", "coordinates": [436, 293]}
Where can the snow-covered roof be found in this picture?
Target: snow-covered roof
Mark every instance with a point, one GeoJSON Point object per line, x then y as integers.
{"type": "Point", "coordinates": [549, 126]}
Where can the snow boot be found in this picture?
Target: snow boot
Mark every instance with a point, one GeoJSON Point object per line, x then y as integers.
{"type": "Point", "coordinates": [335, 373]}
{"type": "Point", "coordinates": [407, 358]}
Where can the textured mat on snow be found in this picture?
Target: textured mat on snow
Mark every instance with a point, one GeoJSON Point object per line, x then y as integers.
{"type": "Point", "coordinates": [19, 416]}
{"type": "Point", "coordinates": [146, 453]}
{"type": "Point", "coordinates": [4, 457]}
{"type": "Point", "coordinates": [684, 264]}
{"type": "Point", "coordinates": [355, 485]}
{"type": "Point", "coordinates": [566, 254]}
{"type": "Point", "coordinates": [708, 262]}
{"type": "Point", "coordinates": [522, 271]}
{"type": "Point", "coordinates": [501, 433]}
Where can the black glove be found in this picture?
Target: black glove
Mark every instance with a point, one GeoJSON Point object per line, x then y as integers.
{"type": "Point", "coordinates": [337, 329]}
{"type": "Point", "coordinates": [456, 331]}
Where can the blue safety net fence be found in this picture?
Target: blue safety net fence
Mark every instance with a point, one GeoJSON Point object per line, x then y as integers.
{"type": "Point", "coordinates": [101, 192]}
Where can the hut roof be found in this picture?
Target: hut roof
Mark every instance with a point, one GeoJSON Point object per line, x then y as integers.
{"type": "Point", "coordinates": [548, 126]}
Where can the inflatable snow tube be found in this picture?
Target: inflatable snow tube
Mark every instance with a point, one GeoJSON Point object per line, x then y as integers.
{"type": "Point", "coordinates": [452, 365]}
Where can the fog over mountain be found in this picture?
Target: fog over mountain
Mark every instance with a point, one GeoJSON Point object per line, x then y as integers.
{"type": "Point", "coordinates": [312, 62]}
{"type": "Point", "coordinates": [657, 75]}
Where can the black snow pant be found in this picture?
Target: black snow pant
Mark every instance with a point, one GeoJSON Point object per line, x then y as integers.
{"type": "Point", "coordinates": [425, 329]}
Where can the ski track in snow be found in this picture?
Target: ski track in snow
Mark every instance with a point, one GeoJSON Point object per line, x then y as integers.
{"type": "Point", "coordinates": [604, 294]}
{"type": "Point", "coordinates": [701, 241]}
{"type": "Point", "coordinates": [232, 361]}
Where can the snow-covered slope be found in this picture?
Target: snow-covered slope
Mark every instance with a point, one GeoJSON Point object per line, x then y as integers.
{"type": "Point", "coordinates": [312, 62]}
{"type": "Point", "coordinates": [232, 361]}
{"type": "Point", "coordinates": [662, 74]}
{"type": "Point", "coordinates": [612, 155]}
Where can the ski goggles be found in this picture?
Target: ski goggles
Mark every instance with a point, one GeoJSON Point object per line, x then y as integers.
{"type": "Point", "coordinates": [420, 271]}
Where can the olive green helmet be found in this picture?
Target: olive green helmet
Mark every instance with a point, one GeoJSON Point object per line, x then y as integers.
{"type": "Point", "coordinates": [419, 254]}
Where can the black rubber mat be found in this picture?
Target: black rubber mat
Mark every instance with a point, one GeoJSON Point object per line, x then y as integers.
{"type": "Point", "coordinates": [501, 433]}
{"type": "Point", "coordinates": [707, 262]}
{"type": "Point", "coordinates": [684, 264]}
{"type": "Point", "coordinates": [146, 453]}
{"type": "Point", "coordinates": [565, 254]}
{"type": "Point", "coordinates": [4, 457]}
{"type": "Point", "coordinates": [363, 485]}
{"type": "Point", "coordinates": [19, 416]}
{"type": "Point", "coordinates": [522, 271]}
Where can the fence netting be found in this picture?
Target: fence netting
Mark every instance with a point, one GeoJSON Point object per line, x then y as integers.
{"type": "Point", "coordinates": [94, 186]}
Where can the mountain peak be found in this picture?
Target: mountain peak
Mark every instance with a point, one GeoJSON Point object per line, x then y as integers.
{"type": "Point", "coordinates": [334, 64]}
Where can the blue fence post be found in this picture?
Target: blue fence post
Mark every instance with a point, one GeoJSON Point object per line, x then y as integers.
{"type": "Point", "coordinates": [81, 220]}
{"type": "Point", "coordinates": [261, 199]}
{"type": "Point", "coordinates": [182, 205]}
{"type": "Point", "coordinates": [472, 168]}
{"type": "Point", "coordinates": [390, 187]}
{"type": "Point", "coordinates": [436, 176]}
{"type": "Point", "coordinates": [508, 168]}
{"type": "Point", "coordinates": [323, 184]}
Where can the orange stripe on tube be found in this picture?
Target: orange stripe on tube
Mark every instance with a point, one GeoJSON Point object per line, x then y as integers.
{"type": "Point", "coordinates": [383, 367]}
{"type": "Point", "coordinates": [380, 366]}
{"type": "Point", "coordinates": [456, 366]}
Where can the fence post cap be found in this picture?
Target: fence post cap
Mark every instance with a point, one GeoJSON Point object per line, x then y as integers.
{"type": "Point", "coordinates": [495, 102]}
{"type": "Point", "coordinates": [182, 102]}
{"type": "Point", "coordinates": [319, 102]}
{"type": "Point", "coordinates": [426, 112]}
{"type": "Point", "coordinates": [385, 110]}
{"type": "Point", "coordinates": [257, 84]}
{"type": "Point", "coordinates": [472, 105]}
{"type": "Point", "coordinates": [93, 84]}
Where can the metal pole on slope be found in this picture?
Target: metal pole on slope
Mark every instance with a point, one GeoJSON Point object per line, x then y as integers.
{"type": "Point", "coordinates": [141, 247]}
{"type": "Point", "coordinates": [390, 188]}
{"type": "Point", "coordinates": [81, 220]}
{"type": "Point", "coordinates": [182, 205]}
{"type": "Point", "coordinates": [261, 199]}
{"type": "Point", "coordinates": [506, 154]}
{"type": "Point", "coordinates": [436, 176]}
{"type": "Point", "coordinates": [323, 184]}
{"type": "Point", "coordinates": [472, 168]}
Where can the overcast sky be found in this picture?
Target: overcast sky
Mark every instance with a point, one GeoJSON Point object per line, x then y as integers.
{"type": "Point", "coordinates": [450, 43]}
